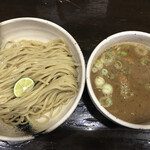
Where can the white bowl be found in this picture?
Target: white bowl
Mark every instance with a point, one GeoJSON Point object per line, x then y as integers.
{"type": "Point", "coordinates": [43, 30]}
{"type": "Point", "coordinates": [127, 36]}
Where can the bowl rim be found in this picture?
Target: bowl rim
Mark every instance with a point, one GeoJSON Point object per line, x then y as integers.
{"type": "Point", "coordinates": [90, 90]}
{"type": "Point", "coordinates": [82, 85]}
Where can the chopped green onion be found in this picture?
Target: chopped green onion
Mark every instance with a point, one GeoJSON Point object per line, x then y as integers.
{"type": "Point", "coordinates": [123, 53]}
{"type": "Point", "coordinates": [120, 54]}
{"type": "Point", "coordinates": [105, 101]}
{"type": "Point", "coordinates": [141, 51]}
{"type": "Point", "coordinates": [94, 69]}
{"type": "Point", "coordinates": [111, 76]}
{"type": "Point", "coordinates": [99, 64]}
{"type": "Point", "coordinates": [107, 89]}
{"type": "Point", "coordinates": [118, 65]}
{"type": "Point", "coordinates": [107, 58]}
{"type": "Point", "coordinates": [99, 82]}
{"type": "Point", "coordinates": [145, 61]}
{"type": "Point", "coordinates": [104, 72]}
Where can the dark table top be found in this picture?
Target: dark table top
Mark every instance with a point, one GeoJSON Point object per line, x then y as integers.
{"type": "Point", "coordinates": [89, 22]}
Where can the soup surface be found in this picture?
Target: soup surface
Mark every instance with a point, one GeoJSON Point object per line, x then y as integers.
{"type": "Point", "coordinates": [120, 78]}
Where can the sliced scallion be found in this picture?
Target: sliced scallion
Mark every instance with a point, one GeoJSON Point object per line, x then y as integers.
{"type": "Point", "coordinates": [104, 72]}
{"type": "Point", "coordinates": [145, 61]}
{"type": "Point", "coordinates": [99, 82]}
{"type": "Point", "coordinates": [107, 58]}
{"type": "Point", "coordinates": [123, 53]}
{"type": "Point", "coordinates": [111, 76]}
{"type": "Point", "coordinates": [141, 51]}
{"type": "Point", "coordinates": [105, 101]}
{"type": "Point", "coordinates": [118, 65]}
{"type": "Point", "coordinates": [94, 69]}
{"type": "Point", "coordinates": [99, 64]}
{"type": "Point", "coordinates": [107, 89]}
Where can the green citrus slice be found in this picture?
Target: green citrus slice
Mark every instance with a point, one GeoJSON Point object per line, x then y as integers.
{"type": "Point", "coordinates": [23, 86]}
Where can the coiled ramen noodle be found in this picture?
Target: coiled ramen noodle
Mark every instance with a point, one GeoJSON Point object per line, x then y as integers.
{"type": "Point", "coordinates": [52, 68]}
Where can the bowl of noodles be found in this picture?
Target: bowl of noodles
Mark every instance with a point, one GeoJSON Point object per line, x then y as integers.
{"type": "Point", "coordinates": [118, 78]}
{"type": "Point", "coordinates": [42, 77]}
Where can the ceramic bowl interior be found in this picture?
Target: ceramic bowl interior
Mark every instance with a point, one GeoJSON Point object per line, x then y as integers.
{"type": "Point", "coordinates": [43, 30]}
{"type": "Point", "coordinates": [127, 36]}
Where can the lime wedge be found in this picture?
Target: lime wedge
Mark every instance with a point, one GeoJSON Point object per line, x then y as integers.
{"type": "Point", "coordinates": [23, 86]}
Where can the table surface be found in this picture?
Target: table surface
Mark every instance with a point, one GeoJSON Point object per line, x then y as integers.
{"type": "Point", "coordinates": [89, 22]}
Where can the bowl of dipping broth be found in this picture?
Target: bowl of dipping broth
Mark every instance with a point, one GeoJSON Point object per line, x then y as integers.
{"type": "Point", "coordinates": [42, 77]}
{"type": "Point", "coordinates": [118, 78]}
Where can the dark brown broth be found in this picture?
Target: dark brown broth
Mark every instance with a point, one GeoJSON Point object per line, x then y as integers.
{"type": "Point", "coordinates": [134, 104]}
